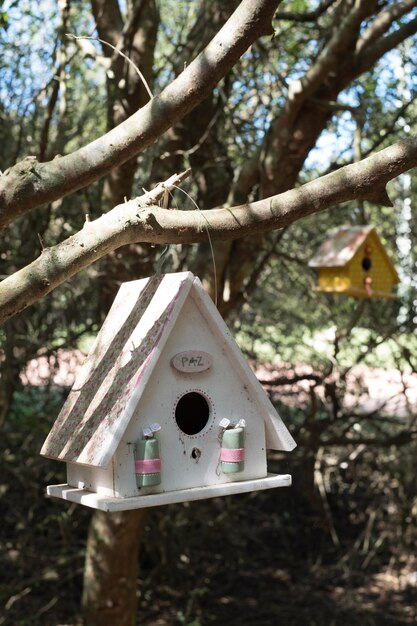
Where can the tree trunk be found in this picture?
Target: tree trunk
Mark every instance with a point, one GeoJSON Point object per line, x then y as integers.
{"type": "Point", "coordinates": [111, 565]}
{"type": "Point", "coordinates": [111, 568]}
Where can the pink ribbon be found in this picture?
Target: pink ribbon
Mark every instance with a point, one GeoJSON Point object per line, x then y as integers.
{"type": "Point", "coordinates": [148, 466]}
{"type": "Point", "coordinates": [232, 455]}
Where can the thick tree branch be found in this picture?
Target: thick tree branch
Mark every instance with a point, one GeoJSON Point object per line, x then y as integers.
{"type": "Point", "coordinates": [109, 21]}
{"type": "Point", "coordinates": [140, 221]}
{"type": "Point", "coordinates": [30, 184]}
{"type": "Point", "coordinates": [300, 90]}
{"type": "Point", "coordinates": [131, 24]}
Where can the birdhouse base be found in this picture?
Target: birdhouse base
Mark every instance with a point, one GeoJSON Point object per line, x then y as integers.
{"type": "Point", "coordinates": [105, 503]}
{"type": "Point", "coordinates": [358, 293]}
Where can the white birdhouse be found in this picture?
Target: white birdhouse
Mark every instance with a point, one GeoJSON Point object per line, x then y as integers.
{"type": "Point", "coordinates": [165, 408]}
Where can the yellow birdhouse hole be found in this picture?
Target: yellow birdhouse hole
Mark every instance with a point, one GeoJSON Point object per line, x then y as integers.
{"type": "Point", "coordinates": [354, 262]}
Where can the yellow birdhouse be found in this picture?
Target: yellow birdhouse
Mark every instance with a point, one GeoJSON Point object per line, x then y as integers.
{"type": "Point", "coordinates": [353, 262]}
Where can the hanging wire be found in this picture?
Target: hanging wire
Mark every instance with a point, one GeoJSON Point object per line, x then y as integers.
{"type": "Point", "coordinates": [162, 258]}
{"type": "Point", "coordinates": [206, 224]}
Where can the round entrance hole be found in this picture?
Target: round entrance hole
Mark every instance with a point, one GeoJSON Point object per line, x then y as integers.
{"type": "Point", "coordinates": [192, 413]}
{"type": "Point", "coordinates": [366, 264]}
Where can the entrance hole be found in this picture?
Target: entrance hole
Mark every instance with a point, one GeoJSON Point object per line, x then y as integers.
{"type": "Point", "coordinates": [366, 264]}
{"type": "Point", "coordinates": [192, 413]}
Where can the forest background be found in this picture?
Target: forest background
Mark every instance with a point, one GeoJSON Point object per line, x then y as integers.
{"type": "Point", "coordinates": [330, 83]}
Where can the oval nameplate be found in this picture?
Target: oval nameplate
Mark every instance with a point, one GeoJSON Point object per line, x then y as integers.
{"type": "Point", "coordinates": [192, 361]}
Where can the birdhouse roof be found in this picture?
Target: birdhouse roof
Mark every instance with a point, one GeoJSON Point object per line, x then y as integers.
{"type": "Point", "coordinates": [342, 245]}
{"type": "Point", "coordinates": [115, 374]}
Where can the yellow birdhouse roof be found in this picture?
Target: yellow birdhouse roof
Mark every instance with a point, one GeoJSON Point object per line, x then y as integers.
{"type": "Point", "coordinates": [340, 247]}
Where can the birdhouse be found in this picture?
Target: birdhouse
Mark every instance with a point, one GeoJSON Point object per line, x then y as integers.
{"type": "Point", "coordinates": [165, 408]}
{"type": "Point", "coordinates": [353, 262]}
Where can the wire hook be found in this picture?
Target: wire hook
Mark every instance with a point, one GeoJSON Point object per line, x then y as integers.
{"type": "Point", "coordinates": [162, 258]}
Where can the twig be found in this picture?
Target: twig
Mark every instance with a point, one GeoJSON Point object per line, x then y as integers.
{"type": "Point", "coordinates": [41, 242]}
{"type": "Point", "coordinates": [159, 191]}
{"type": "Point", "coordinates": [106, 43]}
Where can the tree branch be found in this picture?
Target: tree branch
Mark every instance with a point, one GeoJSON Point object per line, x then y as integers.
{"type": "Point", "coordinates": [140, 220]}
{"type": "Point", "coordinates": [300, 90]}
{"type": "Point", "coordinates": [370, 54]}
{"type": "Point", "coordinates": [309, 16]}
{"type": "Point", "coordinates": [383, 22]}
{"type": "Point", "coordinates": [131, 25]}
{"type": "Point", "coordinates": [30, 184]}
{"type": "Point", "coordinates": [109, 21]}
{"type": "Point", "coordinates": [58, 79]}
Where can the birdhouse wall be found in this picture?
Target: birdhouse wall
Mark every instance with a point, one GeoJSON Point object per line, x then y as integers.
{"type": "Point", "coordinates": [91, 478]}
{"type": "Point", "coordinates": [334, 279]}
{"type": "Point", "coordinates": [381, 273]}
{"type": "Point", "coordinates": [192, 460]}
